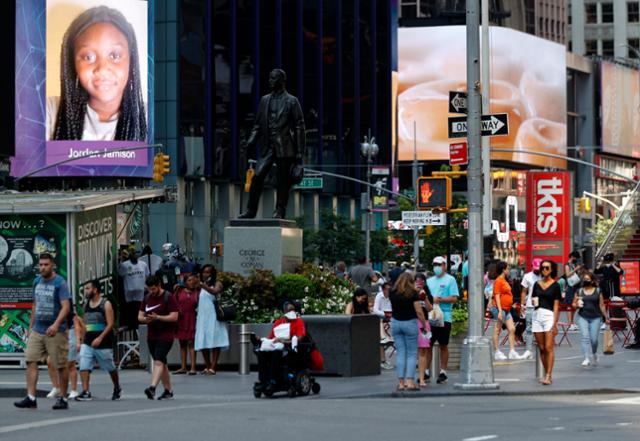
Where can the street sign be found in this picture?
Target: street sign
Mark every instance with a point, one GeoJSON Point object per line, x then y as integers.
{"type": "Point", "coordinates": [309, 183]}
{"type": "Point", "coordinates": [496, 124]}
{"type": "Point", "coordinates": [457, 102]}
{"type": "Point", "coordinates": [423, 218]}
{"type": "Point", "coordinates": [458, 153]}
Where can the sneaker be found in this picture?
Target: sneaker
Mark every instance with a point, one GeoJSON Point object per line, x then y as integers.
{"type": "Point", "coordinates": [150, 392]}
{"type": "Point", "coordinates": [54, 393]}
{"type": "Point", "coordinates": [166, 395]}
{"type": "Point", "coordinates": [603, 327]}
{"type": "Point", "coordinates": [527, 355]}
{"type": "Point", "coordinates": [73, 394]}
{"type": "Point", "coordinates": [386, 366]}
{"type": "Point", "coordinates": [499, 356]}
{"type": "Point", "coordinates": [26, 403]}
{"type": "Point", "coordinates": [594, 361]}
{"type": "Point", "coordinates": [116, 394]}
{"type": "Point", "coordinates": [586, 363]}
{"type": "Point", "coordinates": [84, 396]}
{"type": "Point", "coordinates": [442, 378]}
{"type": "Point", "coordinates": [61, 403]}
{"type": "Point", "coordinates": [513, 355]}
{"type": "Point", "coordinates": [573, 327]}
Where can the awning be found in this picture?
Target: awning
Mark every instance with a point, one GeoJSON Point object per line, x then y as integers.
{"type": "Point", "coordinates": [72, 201]}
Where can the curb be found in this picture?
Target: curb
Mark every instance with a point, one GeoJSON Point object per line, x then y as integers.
{"type": "Point", "coordinates": [503, 393]}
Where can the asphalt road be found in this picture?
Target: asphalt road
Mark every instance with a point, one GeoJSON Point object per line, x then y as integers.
{"type": "Point", "coordinates": [570, 417]}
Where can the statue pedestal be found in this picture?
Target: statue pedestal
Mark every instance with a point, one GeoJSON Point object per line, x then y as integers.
{"type": "Point", "coordinates": [271, 244]}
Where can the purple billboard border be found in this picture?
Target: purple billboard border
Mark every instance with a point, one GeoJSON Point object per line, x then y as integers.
{"type": "Point", "coordinates": [30, 99]}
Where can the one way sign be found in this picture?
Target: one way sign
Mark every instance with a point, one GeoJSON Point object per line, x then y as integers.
{"type": "Point", "coordinates": [492, 125]}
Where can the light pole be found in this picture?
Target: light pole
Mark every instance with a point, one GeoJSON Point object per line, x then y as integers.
{"type": "Point", "coordinates": [369, 150]}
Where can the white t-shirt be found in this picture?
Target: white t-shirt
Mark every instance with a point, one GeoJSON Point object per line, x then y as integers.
{"type": "Point", "coordinates": [528, 281]}
{"type": "Point", "coordinates": [92, 130]}
{"type": "Point", "coordinates": [381, 305]}
{"type": "Point", "coordinates": [134, 277]}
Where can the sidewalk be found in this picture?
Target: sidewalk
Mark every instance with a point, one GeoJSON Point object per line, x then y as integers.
{"type": "Point", "coordinates": [615, 374]}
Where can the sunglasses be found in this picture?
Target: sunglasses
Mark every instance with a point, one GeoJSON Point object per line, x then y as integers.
{"type": "Point", "coordinates": [545, 267]}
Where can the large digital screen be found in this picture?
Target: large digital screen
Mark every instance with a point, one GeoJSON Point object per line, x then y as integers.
{"type": "Point", "coordinates": [528, 81]}
{"type": "Point", "coordinates": [84, 86]}
{"type": "Point", "coordinates": [620, 110]}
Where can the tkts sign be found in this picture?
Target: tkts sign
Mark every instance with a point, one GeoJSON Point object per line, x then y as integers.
{"type": "Point", "coordinates": [548, 215]}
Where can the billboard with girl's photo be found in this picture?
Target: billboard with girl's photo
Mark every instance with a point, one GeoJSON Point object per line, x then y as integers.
{"type": "Point", "coordinates": [84, 86]}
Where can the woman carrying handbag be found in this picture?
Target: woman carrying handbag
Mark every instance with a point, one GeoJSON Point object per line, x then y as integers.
{"type": "Point", "coordinates": [589, 305]}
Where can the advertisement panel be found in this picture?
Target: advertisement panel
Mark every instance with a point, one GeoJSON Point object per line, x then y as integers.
{"type": "Point", "coordinates": [549, 216]}
{"type": "Point", "coordinates": [95, 249]}
{"type": "Point", "coordinates": [620, 104]}
{"type": "Point", "coordinates": [84, 86]}
{"type": "Point", "coordinates": [530, 89]}
{"type": "Point", "coordinates": [22, 239]}
{"type": "Point", "coordinates": [630, 279]}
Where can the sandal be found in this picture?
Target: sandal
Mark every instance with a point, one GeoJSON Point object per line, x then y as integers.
{"type": "Point", "coordinates": [423, 384]}
{"type": "Point", "coordinates": [400, 387]}
{"type": "Point", "coordinates": [547, 381]}
{"type": "Point", "coordinates": [192, 372]}
{"type": "Point", "coordinates": [412, 388]}
{"type": "Point", "coordinates": [179, 372]}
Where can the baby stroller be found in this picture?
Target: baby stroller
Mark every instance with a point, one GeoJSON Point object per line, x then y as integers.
{"type": "Point", "coordinates": [292, 374]}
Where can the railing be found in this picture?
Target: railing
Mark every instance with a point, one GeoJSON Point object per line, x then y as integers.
{"type": "Point", "coordinates": [623, 219]}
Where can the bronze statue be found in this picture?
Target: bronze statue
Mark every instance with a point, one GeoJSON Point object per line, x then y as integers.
{"type": "Point", "coordinates": [279, 125]}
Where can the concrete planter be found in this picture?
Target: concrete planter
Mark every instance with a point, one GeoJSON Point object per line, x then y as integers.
{"type": "Point", "coordinates": [455, 351]}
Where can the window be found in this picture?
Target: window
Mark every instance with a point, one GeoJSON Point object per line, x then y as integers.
{"type": "Point", "coordinates": [591, 47]}
{"type": "Point", "coordinates": [607, 12]}
{"type": "Point", "coordinates": [591, 13]}
{"type": "Point", "coordinates": [634, 47]}
{"type": "Point", "coordinates": [607, 48]}
{"type": "Point", "coordinates": [633, 12]}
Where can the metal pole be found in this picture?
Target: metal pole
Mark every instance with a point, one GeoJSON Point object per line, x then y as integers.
{"type": "Point", "coordinates": [244, 366]}
{"type": "Point", "coordinates": [448, 240]}
{"type": "Point", "coordinates": [368, 220]}
{"type": "Point", "coordinates": [477, 367]}
{"type": "Point", "coordinates": [486, 109]}
{"type": "Point", "coordinates": [416, 230]}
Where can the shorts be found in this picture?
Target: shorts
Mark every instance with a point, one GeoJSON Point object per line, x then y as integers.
{"type": "Point", "coordinates": [506, 315]}
{"type": "Point", "coordinates": [441, 334]}
{"type": "Point", "coordinates": [542, 320]}
{"type": "Point", "coordinates": [424, 342]}
{"type": "Point", "coordinates": [39, 346]}
{"type": "Point", "coordinates": [159, 349]}
{"type": "Point", "coordinates": [104, 357]}
{"type": "Point", "coordinates": [73, 352]}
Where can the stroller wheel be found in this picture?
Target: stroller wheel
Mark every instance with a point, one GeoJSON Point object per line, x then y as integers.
{"type": "Point", "coordinates": [291, 392]}
{"type": "Point", "coordinates": [315, 388]}
{"type": "Point", "coordinates": [257, 393]}
{"type": "Point", "coordinates": [303, 383]}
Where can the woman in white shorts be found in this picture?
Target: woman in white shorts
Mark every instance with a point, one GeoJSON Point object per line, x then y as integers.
{"type": "Point", "coordinates": [546, 298]}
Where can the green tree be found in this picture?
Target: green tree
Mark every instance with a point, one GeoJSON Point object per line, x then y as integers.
{"type": "Point", "coordinates": [338, 239]}
{"type": "Point", "coordinates": [600, 231]}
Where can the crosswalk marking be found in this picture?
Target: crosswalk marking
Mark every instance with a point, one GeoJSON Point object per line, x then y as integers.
{"type": "Point", "coordinates": [635, 401]}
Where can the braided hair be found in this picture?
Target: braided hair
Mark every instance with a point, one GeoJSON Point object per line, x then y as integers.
{"type": "Point", "coordinates": [132, 123]}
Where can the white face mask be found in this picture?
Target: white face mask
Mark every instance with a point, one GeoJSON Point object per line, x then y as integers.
{"type": "Point", "coordinates": [291, 315]}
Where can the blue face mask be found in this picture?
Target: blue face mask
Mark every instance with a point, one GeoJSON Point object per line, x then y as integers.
{"type": "Point", "coordinates": [437, 270]}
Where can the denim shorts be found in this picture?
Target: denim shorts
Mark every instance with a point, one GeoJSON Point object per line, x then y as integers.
{"type": "Point", "coordinates": [506, 315]}
{"type": "Point", "coordinates": [104, 357]}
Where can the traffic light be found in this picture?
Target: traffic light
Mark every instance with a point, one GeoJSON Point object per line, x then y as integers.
{"type": "Point", "coordinates": [161, 167]}
{"type": "Point", "coordinates": [433, 193]}
{"type": "Point", "coordinates": [584, 205]}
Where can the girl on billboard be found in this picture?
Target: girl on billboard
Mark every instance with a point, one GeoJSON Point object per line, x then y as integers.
{"type": "Point", "coordinates": [101, 94]}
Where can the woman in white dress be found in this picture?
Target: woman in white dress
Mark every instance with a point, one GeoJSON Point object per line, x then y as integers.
{"type": "Point", "coordinates": [211, 334]}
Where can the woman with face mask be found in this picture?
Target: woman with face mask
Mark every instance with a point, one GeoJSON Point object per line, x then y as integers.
{"type": "Point", "coordinates": [589, 305]}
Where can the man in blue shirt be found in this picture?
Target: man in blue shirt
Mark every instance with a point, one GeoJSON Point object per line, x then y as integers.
{"type": "Point", "coordinates": [444, 289]}
{"type": "Point", "coordinates": [48, 334]}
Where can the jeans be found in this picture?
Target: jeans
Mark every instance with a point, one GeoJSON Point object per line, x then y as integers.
{"type": "Point", "coordinates": [589, 330]}
{"type": "Point", "coordinates": [528, 334]}
{"type": "Point", "coordinates": [405, 335]}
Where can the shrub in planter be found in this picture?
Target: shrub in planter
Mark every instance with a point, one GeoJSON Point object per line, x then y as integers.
{"type": "Point", "coordinates": [293, 287]}
{"type": "Point", "coordinates": [324, 281]}
{"type": "Point", "coordinates": [460, 317]}
{"type": "Point", "coordinates": [259, 287]}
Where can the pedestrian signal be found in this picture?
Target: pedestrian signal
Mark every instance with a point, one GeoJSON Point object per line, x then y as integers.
{"type": "Point", "coordinates": [433, 193]}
